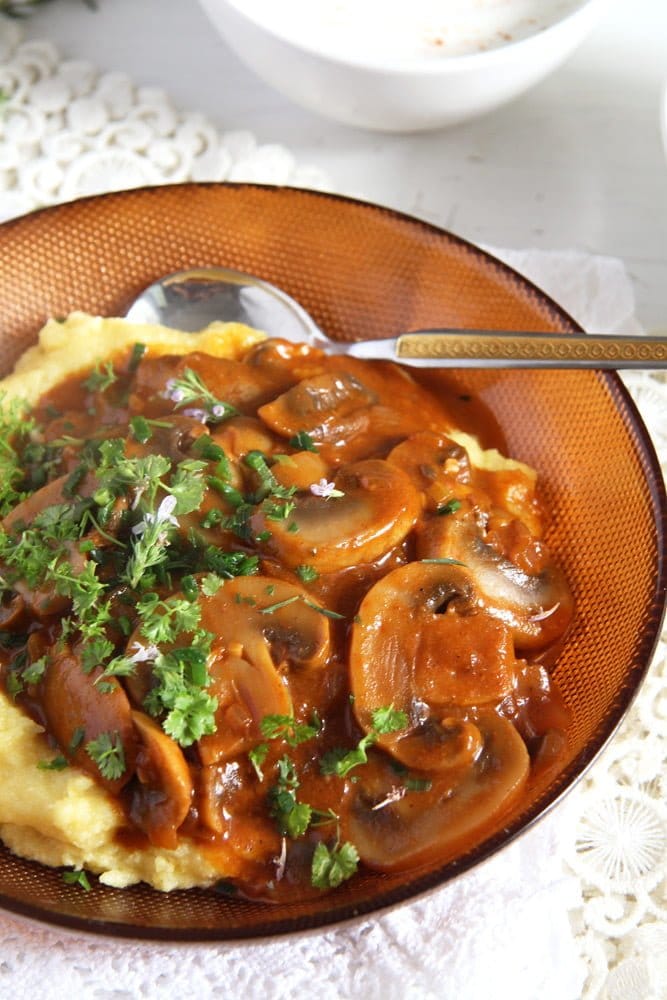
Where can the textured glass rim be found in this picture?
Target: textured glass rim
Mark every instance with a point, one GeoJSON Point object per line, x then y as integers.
{"type": "Point", "coordinates": [420, 885]}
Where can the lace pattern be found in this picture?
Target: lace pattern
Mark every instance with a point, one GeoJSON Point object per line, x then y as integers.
{"type": "Point", "coordinates": [67, 131]}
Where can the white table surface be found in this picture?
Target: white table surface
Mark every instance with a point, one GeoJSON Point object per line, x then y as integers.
{"type": "Point", "coordinates": [577, 162]}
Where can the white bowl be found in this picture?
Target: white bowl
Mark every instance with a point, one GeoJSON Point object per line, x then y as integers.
{"type": "Point", "coordinates": [394, 91]}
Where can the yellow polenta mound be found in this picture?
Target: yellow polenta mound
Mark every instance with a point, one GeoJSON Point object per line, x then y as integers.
{"type": "Point", "coordinates": [64, 817]}
{"type": "Point", "coordinates": [79, 342]}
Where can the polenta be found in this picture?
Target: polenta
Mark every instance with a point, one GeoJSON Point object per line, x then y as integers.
{"type": "Point", "coordinates": [267, 615]}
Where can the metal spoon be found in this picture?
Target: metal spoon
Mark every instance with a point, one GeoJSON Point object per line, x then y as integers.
{"type": "Point", "coordinates": [189, 300]}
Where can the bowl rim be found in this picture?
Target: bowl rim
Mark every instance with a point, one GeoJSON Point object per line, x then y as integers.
{"type": "Point", "coordinates": [577, 20]}
{"type": "Point", "coordinates": [434, 879]}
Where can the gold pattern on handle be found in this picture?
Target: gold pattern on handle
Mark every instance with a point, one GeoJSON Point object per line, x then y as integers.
{"type": "Point", "coordinates": [535, 348]}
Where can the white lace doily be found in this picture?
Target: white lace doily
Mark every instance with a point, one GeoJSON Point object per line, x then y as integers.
{"type": "Point", "coordinates": [590, 919]}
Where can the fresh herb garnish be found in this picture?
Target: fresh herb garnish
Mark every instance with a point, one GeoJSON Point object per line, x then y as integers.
{"type": "Point", "coordinates": [333, 865]}
{"type": "Point", "coordinates": [77, 877]}
{"type": "Point", "coordinates": [307, 573]}
{"type": "Point", "coordinates": [190, 389]}
{"type": "Point", "coordinates": [302, 441]}
{"type": "Point", "coordinates": [101, 377]}
{"type": "Point", "coordinates": [448, 508]}
{"type": "Point", "coordinates": [383, 720]}
{"type": "Point", "coordinates": [58, 763]}
{"type": "Point", "coordinates": [106, 750]}
{"type": "Point", "coordinates": [285, 727]}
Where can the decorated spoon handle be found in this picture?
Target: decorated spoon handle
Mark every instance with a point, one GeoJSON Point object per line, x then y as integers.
{"type": "Point", "coordinates": [495, 349]}
{"type": "Point", "coordinates": [489, 349]}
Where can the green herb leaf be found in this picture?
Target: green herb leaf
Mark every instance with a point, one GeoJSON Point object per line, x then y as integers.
{"type": "Point", "coordinates": [141, 429]}
{"type": "Point", "coordinates": [107, 752]}
{"type": "Point", "coordinates": [331, 866]}
{"type": "Point", "coordinates": [383, 720]}
{"type": "Point", "coordinates": [285, 727]}
{"type": "Point", "coordinates": [257, 756]}
{"type": "Point", "coordinates": [138, 351]}
{"type": "Point", "coordinates": [302, 441]}
{"type": "Point", "coordinates": [58, 763]}
{"type": "Point", "coordinates": [190, 388]}
{"type": "Point", "coordinates": [307, 573]}
{"type": "Point", "coordinates": [388, 720]}
{"type": "Point", "coordinates": [101, 378]}
{"type": "Point", "coordinates": [449, 508]}
{"type": "Point", "coordinates": [79, 878]}
{"type": "Point", "coordinates": [271, 608]}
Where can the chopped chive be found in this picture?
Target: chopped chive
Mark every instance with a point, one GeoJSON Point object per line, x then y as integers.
{"type": "Point", "coordinates": [138, 351]}
{"type": "Point", "coordinates": [270, 608]}
{"type": "Point", "coordinates": [323, 611]}
{"type": "Point", "coordinates": [444, 562]}
{"type": "Point", "coordinates": [141, 429]}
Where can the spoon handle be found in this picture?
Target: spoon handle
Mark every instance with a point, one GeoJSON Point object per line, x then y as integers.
{"type": "Point", "coordinates": [494, 349]}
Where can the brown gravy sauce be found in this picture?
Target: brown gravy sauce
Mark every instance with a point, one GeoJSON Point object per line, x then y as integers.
{"type": "Point", "coordinates": [343, 423]}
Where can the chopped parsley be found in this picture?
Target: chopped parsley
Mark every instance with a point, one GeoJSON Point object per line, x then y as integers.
{"type": "Point", "coordinates": [306, 573]}
{"type": "Point", "coordinates": [333, 865]}
{"type": "Point", "coordinates": [383, 720]}
{"type": "Point", "coordinates": [285, 727]}
{"type": "Point", "coordinates": [101, 378]}
{"type": "Point", "coordinates": [106, 750]}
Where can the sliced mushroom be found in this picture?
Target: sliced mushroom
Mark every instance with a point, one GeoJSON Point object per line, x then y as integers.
{"type": "Point", "coordinates": [300, 470]}
{"type": "Point", "coordinates": [437, 465]}
{"type": "Point", "coordinates": [536, 607]}
{"type": "Point", "coordinates": [77, 711]}
{"type": "Point", "coordinates": [246, 692]}
{"type": "Point", "coordinates": [162, 799]}
{"type": "Point", "coordinates": [377, 509]}
{"type": "Point", "coordinates": [239, 435]}
{"type": "Point", "coordinates": [230, 381]}
{"type": "Point", "coordinates": [264, 629]}
{"type": "Point", "coordinates": [394, 828]}
{"type": "Point", "coordinates": [13, 614]}
{"type": "Point", "coordinates": [331, 406]}
{"type": "Point", "coordinates": [267, 622]}
{"type": "Point", "coordinates": [424, 643]}
{"type": "Point", "coordinates": [49, 495]}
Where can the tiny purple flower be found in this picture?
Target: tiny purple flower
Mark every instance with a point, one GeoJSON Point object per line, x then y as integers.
{"type": "Point", "coordinates": [196, 414]}
{"type": "Point", "coordinates": [325, 489]}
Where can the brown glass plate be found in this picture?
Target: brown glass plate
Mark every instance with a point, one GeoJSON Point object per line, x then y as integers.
{"type": "Point", "coordinates": [363, 272]}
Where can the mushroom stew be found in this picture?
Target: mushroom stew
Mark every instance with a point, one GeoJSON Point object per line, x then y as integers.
{"type": "Point", "coordinates": [283, 607]}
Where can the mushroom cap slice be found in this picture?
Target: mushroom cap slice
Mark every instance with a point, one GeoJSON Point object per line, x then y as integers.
{"type": "Point", "coordinates": [537, 607]}
{"type": "Point", "coordinates": [330, 406]}
{"type": "Point", "coordinates": [267, 621]}
{"type": "Point", "coordinates": [394, 828]}
{"type": "Point", "coordinates": [424, 643]}
{"type": "Point", "coordinates": [436, 464]}
{"type": "Point", "coordinates": [246, 693]}
{"type": "Point", "coordinates": [263, 629]}
{"type": "Point", "coordinates": [77, 711]}
{"type": "Point", "coordinates": [378, 508]}
{"type": "Point", "coordinates": [162, 800]}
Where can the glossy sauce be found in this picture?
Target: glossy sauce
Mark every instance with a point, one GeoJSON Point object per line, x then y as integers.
{"type": "Point", "coordinates": [424, 586]}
